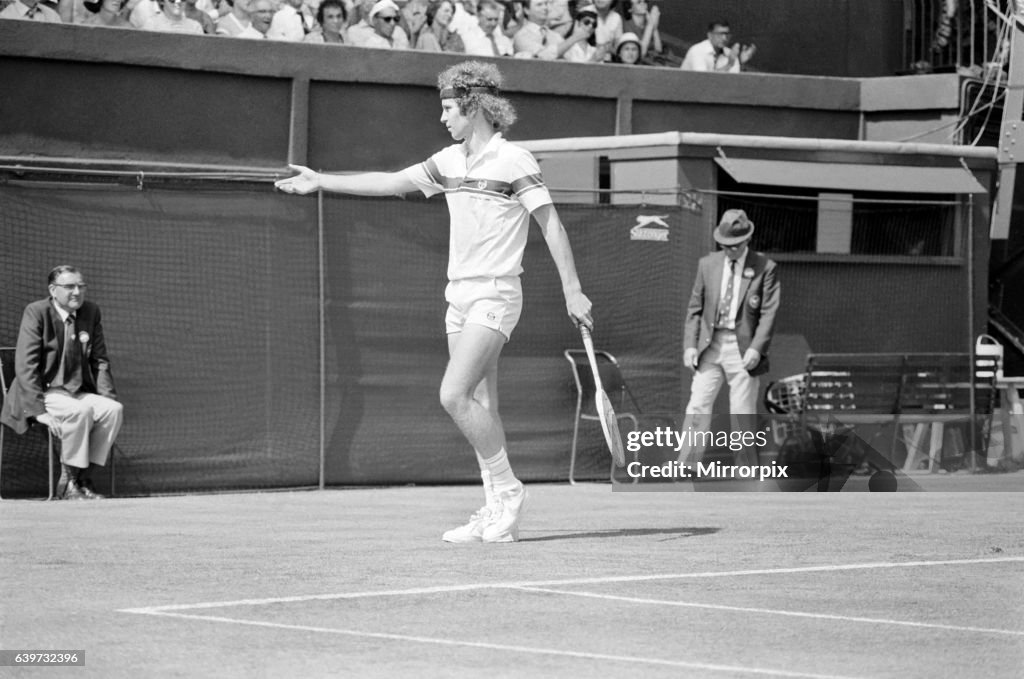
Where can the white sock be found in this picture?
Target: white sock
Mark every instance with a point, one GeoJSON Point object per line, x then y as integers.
{"type": "Point", "coordinates": [502, 478]}
{"type": "Point", "coordinates": [485, 476]}
{"type": "Point", "coordinates": [488, 488]}
{"type": "Point", "coordinates": [481, 461]}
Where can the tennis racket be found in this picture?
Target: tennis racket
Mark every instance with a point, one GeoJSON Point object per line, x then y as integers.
{"type": "Point", "coordinates": [605, 411]}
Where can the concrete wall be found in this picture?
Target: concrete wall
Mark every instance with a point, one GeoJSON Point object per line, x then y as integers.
{"type": "Point", "coordinates": [930, 116]}
{"type": "Point", "coordinates": [130, 95]}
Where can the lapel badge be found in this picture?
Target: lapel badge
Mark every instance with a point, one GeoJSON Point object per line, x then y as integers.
{"type": "Point", "coordinates": [748, 272]}
{"type": "Point", "coordinates": [755, 301]}
{"type": "Point", "coordinates": [83, 337]}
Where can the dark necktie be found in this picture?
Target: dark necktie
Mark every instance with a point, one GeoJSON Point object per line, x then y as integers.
{"type": "Point", "coordinates": [71, 359]}
{"type": "Point", "coordinates": [726, 305]}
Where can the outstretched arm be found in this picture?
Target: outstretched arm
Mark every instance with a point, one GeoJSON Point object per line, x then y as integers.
{"type": "Point", "coordinates": [363, 184]}
{"type": "Point", "coordinates": [576, 303]}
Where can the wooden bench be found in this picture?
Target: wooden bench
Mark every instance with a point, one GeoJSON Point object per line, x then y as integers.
{"type": "Point", "coordinates": [917, 393]}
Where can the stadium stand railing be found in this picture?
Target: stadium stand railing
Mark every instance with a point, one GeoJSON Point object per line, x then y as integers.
{"type": "Point", "coordinates": [968, 36]}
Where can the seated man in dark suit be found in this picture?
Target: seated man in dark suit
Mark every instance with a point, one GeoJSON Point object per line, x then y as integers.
{"type": "Point", "coordinates": [63, 381]}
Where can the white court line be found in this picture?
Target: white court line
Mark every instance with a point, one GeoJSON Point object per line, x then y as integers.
{"type": "Point", "coordinates": [445, 589]}
{"type": "Point", "coordinates": [533, 650]}
{"type": "Point", "coordinates": [774, 611]}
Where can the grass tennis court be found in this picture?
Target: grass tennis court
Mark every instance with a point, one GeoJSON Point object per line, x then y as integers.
{"type": "Point", "coordinates": [357, 583]}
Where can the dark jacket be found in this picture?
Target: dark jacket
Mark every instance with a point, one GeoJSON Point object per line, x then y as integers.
{"type": "Point", "coordinates": [37, 360]}
{"type": "Point", "coordinates": [759, 302]}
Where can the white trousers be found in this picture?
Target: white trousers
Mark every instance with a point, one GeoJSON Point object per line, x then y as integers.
{"type": "Point", "coordinates": [721, 362]}
{"type": "Point", "coordinates": [89, 424]}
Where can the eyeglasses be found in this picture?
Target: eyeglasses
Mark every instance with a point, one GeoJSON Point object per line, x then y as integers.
{"type": "Point", "coordinates": [390, 20]}
{"type": "Point", "coordinates": [721, 32]}
{"type": "Point", "coordinates": [71, 286]}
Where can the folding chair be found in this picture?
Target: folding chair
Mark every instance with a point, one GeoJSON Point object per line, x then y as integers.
{"type": "Point", "coordinates": [586, 409]}
{"type": "Point", "coordinates": [6, 379]}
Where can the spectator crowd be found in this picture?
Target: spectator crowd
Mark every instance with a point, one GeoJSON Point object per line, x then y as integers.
{"type": "Point", "coordinates": [586, 31]}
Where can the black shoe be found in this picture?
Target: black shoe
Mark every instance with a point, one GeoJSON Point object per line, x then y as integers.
{"type": "Point", "coordinates": [73, 491]}
{"type": "Point", "coordinates": [62, 486]}
{"type": "Point", "coordinates": [86, 489]}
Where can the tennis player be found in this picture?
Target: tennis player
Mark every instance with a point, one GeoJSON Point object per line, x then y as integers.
{"type": "Point", "coordinates": [492, 188]}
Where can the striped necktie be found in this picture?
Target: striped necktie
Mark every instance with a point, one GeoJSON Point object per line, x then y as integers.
{"type": "Point", "coordinates": [724, 316]}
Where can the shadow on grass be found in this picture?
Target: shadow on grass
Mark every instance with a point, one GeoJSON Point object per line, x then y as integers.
{"type": "Point", "coordinates": [667, 533]}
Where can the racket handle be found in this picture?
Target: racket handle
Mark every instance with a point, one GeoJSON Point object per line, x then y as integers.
{"type": "Point", "coordinates": [588, 344]}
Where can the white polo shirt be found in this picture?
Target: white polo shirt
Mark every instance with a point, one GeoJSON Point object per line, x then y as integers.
{"type": "Point", "coordinates": [490, 198]}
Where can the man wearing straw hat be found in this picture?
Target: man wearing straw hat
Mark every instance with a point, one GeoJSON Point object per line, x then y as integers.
{"type": "Point", "coordinates": [379, 28]}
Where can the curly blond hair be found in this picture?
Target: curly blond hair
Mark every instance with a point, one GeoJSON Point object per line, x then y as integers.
{"type": "Point", "coordinates": [476, 85]}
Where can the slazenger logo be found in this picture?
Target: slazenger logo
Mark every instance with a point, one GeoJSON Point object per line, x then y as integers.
{"type": "Point", "coordinates": [650, 227]}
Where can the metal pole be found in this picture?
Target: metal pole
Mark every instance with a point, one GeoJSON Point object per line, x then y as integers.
{"type": "Point", "coordinates": [321, 304]}
{"type": "Point", "coordinates": [1011, 131]}
{"type": "Point", "coordinates": [972, 375]}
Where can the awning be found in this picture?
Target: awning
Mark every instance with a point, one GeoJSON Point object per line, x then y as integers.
{"type": "Point", "coordinates": [852, 176]}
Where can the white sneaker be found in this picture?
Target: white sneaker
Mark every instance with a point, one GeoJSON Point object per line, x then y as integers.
{"type": "Point", "coordinates": [504, 523]}
{"type": "Point", "coordinates": [474, 530]}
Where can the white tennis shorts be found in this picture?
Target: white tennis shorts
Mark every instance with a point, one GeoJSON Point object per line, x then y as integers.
{"type": "Point", "coordinates": [491, 302]}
